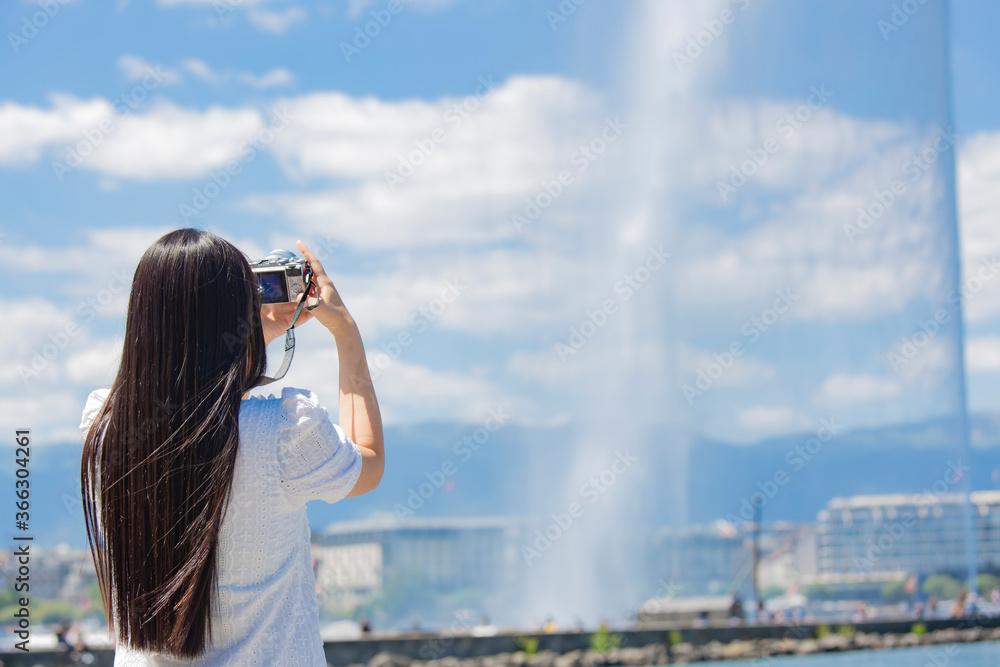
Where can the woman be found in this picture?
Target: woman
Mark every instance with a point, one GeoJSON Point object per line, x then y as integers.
{"type": "Point", "coordinates": [194, 494]}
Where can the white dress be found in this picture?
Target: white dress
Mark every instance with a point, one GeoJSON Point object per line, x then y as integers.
{"type": "Point", "coordinates": [290, 452]}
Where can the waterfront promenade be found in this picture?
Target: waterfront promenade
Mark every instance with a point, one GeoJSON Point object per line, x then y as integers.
{"type": "Point", "coordinates": [648, 646]}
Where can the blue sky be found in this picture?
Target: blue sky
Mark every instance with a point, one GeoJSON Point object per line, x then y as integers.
{"type": "Point", "coordinates": [553, 86]}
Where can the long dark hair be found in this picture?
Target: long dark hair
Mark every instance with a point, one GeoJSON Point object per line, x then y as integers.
{"type": "Point", "coordinates": [159, 459]}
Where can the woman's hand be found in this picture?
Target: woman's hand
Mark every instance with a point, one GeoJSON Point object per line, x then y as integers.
{"type": "Point", "coordinates": [359, 413]}
{"type": "Point", "coordinates": [332, 313]}
{"type": "Point", "coordinates": [275, 318]}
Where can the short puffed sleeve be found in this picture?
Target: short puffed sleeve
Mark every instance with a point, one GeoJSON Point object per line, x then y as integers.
{"type": "Point", "coordinates": [93, 404]}
{"type": "Point", "coordinates": [316, 459]}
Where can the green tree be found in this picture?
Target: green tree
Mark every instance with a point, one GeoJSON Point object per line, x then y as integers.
{"type": "Point", "coordinates": [529, 645]}
{"type": "Point", "coordinates": [772, 591]}
{"type": "Point", "coordinates": [818, 592]}
{"type": "Point", "coordinates": [604, 640]}
{"type": "Point", "coordinates": [987, 582]}
{"type": "Point", "coordinates": [894, 591]}
{"type": "Point", "coordinates": [941, 585]}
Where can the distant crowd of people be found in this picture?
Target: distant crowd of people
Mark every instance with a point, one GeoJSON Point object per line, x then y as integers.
{"type": "Point", "coordinates": [965, 605]}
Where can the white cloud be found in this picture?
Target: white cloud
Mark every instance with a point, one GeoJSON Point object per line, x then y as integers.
{"type": "Point", "coordinates": [172, 142]}
{"type": "Point", "coordinates": [167, 142]}
{"type": "Point", "coordinates": [407, 392]}
{"type": "Point", "coordinates": [979, 201]}
{"type": "Point", "coordinates": [53, 418]}
{"type": "Point", "coordinates": [355, 7]}
{"type": "Point", "coordinates": [135, 68]}
{"type": "Point", "coordinates": [201, 70]}
{"type": "Point", "coordinates": [277, 22]}
{"type": "Point", "coordinates": [228, 4]}
{"type": "Point", "coordinates": [26, 130]}
{"type": "Point", "coordinates": [843, 389]}
{"type": "Point", "coordinates": [771, 419]}
{"type": "Point", "coordinates": [275, 77]}
{"type": "Point", "coordinates": [464, 192]}
{"type": "Point", "coordinates": [801, 243]}
{"type": "Point", "coordinates": [95, 366]}
{"type": "Point", "coordinates": [740, 371]}
{"type": "Point", "coordinates": [982, 355]}
{"type": "Point", "coordinates": [270, 79]}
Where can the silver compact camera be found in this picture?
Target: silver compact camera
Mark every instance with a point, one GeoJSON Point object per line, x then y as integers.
{"type": "Point", "coordinates": [281, 276]}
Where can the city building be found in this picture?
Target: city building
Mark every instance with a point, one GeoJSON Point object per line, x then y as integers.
{"type": "Point", "coordinates": [717, 558]}
{"type": "Point", "coordinates": [357, 559]}
{"type": "Point", "coordinates": [921, 534]}
{"type": "Point", "coordinates": [704, 559]}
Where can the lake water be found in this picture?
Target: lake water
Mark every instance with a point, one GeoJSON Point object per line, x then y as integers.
{"type": "Point", "coordinates": [976, 654]}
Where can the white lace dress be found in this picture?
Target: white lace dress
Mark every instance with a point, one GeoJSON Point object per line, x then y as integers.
{"type": "Point", "coordinates": [290, 452]}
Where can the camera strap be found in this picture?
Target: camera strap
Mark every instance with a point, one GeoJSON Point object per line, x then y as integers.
{"type": "Point", "coordinates": [290, 338]}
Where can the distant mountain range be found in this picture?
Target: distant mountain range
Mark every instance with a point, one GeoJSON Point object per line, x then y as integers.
{"type": "Point", "coordinates": [510, 471]}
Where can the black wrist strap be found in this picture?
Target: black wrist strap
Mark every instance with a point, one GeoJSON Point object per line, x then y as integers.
{"type": "Point", "coordinates": [289, 339]}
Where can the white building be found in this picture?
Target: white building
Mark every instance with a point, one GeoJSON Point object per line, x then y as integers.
{"type": "Point", "coordinates": [357, 559]}
{"type": "Point", "coordinates": [920, 534]}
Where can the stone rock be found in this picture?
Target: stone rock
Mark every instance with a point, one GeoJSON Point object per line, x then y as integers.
{"type": "Point", "coordinates": [387, 659]}
{"type": "Point", "coordinates": [714, 650]}
{"type": "Point", "coordinates": [504, 659]}
{"type": "Point", "coordinates": [682, 651]}
{"type": "Point", "coordinates": [946, 636]}
{"type": "Point", "coordinates": [867, 640]}
{"type": "Point", "coordinates": [571, 659]}
{"type": "Point", "coordinates": [807, 646]}
{"type": "Point", "coordinates": [545, 658]}
{"type": "Point", "coordinates": [784, 646]}
{"type": "Point", "coordinates": [737, 650]}
{"type": "Point", "coordinates": [655, 654]}
{"type": "Point", "coordinates": [834, 643]}
{"type": "Point", "coordinates": [971, 634]}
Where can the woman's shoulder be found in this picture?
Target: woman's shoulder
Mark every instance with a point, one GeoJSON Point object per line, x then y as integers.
{"type": "Point", "coordinates": [291, 398]}
{"type": "Point", "coordinates": [92, 405]}
{"type": "Point", "coordinates": [293, 406]}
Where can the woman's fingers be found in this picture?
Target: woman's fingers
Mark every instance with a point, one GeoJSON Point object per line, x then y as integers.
{"type": "Point", "coordinates": [317, 268]}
